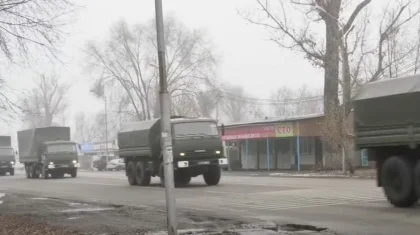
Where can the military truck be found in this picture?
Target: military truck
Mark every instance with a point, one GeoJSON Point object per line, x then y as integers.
{"type": "Point", "coordinates": [48, 151]}
{"type": "Point", "coordinates": [387, 126]}
{"type": "Point", "coordinates": [196, 145]}
{"type": "Point", "coordinates": [7, 156]}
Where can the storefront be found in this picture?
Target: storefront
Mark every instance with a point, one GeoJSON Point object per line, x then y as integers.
{"type": "Point", "coordinates": [292, 144]}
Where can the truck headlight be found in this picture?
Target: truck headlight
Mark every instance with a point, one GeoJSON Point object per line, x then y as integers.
{"type": "Point", "coordinates": [51, 163]}
{"type": "Point", "coordinates": [217, 151]}
{"type": "Point", "coordinates": [182, 154]}
{"type": "Point", "coordinates": [12, 162]}
{"type": "Point", "coordinates": [74, 161]}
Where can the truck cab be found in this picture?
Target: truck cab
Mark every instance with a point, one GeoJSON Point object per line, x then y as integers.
{"type": "Point", "coordinates": [196, 148]}
{"type": "Point", "coordinates": [60, 156]}
{"type": "Point", "coordinates": [7, 161]}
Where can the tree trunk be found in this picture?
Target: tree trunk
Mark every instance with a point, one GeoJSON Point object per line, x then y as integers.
{"type": "Point", "coordinates": [332, 56]}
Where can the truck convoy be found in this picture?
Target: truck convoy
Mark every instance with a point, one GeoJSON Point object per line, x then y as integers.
{"type": "Point", "coordinates": [387, 125]}
{"type": "Point", "coordinates": [196, 146]}
{"type": "Point", "coordinates": [7, 156]}
{"type": "Point", "coordinates": [48, 151]}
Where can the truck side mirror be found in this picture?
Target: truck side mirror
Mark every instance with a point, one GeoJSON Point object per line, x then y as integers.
{"type": "Point", "coordinates": [80, 146]}
{"type": "Point", "coordinates": [16, 152]}
{"type": "Point", "coordinates": [223, 129]}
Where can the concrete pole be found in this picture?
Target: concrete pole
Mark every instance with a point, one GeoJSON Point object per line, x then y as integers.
{"type": "Point", "coordinates": [106, 127]}
{"type": "Point", "coordinates": [165, 121]}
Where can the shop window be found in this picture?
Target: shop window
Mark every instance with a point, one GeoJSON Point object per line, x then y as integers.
{"type": "Point", "coordinates": [305, 145]}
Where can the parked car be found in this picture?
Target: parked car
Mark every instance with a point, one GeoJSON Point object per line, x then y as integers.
{"type": "Point", "coordinates": [100, 163]}
{"type": "Point", "coordinates": [116, 165]}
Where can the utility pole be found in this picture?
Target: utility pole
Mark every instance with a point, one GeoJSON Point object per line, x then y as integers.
{"type": "Point", "coordinates": [106, 127]}
{"type": "Point", "coordinates": [165, 124]}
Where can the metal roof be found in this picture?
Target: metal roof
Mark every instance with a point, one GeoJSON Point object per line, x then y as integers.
{"type": "Point", "coordinates": [275, 120]}
{"type": "Point", "coordinates": [388, 87]}
{"type": "Point", "coordinates": [147, 124]}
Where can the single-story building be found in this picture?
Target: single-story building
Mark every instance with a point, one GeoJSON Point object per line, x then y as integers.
{"type": "Point", "coordinates": [279, 144]}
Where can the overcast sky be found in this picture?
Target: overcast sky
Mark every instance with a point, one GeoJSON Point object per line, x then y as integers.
{"type": "Point", "coordinates": [247, 56]}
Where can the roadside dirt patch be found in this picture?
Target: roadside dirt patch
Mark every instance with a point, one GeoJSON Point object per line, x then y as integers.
{"type": "Point", "coordinates": [21, 225]}
{"type": "Point", "coordinates": [93, 218]}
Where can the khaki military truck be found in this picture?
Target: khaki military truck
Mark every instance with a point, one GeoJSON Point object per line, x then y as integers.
{"type": "Point", "coordinates": [7, 156]}
{"type": "Point", "coordinates": [387, 125]}
{"type": "Point", "coordinates": [48, 151]}
{"type": "Point", "coordinates": [196, 145]}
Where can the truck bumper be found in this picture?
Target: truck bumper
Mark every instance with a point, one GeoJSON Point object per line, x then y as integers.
{"type": "Point", "coordinates": [200, 163]}
{"type": "Point", "coordinates": [6, 169]}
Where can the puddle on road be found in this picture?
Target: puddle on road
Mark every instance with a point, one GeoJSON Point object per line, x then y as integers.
{"type": "Point", "coordinates": [40, 198]}
{"type": "Point", "coordinates": [92, 209]}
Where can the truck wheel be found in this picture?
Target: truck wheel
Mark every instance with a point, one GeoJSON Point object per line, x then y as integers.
{"type": "Point", "coordinates": [12, 172]}
{"type": "Point", "coordinates": [31, 172]}
{"type": "Point", "coordinates": [44, 173]}
{"type": "Point", "coordinates": [162, 174]}
{"type": "Point", "coordinates": [397, 182]}
{"type": "Point", "coordinates": [131, 173]}
{"type": "Point", "coordinates": [142, 176]}
{"type": "Point", "coordinates": [212, 176]}
{"type": "Point", "coordinates": [73, 173]}
{"type": "Point", "coordinates": [182, 178]}
{"type": "Point", "coordinates": [417, 179]}
{"type": "Point", "coordinates": [27, 172]}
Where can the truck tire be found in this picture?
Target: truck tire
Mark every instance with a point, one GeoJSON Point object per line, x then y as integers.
{"type": "Point", "coordinates": [27, 172]}
{"type": "Point", "coordinates": [182, 178]}
{"type": "Point", "coordinates": [142, 176]}
{"type": "Point", "coordinates": [73, 173]}
{"type": "Point", "coordinates": [212, 176]}
{"type": "Point", "coordinates": [131, 173]}
{"type": "Point", "coordinates": [31, 172]}
{"type": "Point", "coordinates": [162, 174]}
{"type": "Point", "coordinates": [44, 173]}
{"type": "Point", "coordinates": [398, 182]}
{"type": "Point", "coordinates": [417, 179]}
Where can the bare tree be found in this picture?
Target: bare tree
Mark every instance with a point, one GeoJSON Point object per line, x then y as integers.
{"type": "Point", "coordinates": [43, 104]}
{"type": "Point", "coordinates": [206, 102]}
{"type": "Point", "coordinates": [299, 102]}
{"type": "Point", "coordinates": [87, 130]}
{"type": "Point", "coordinates": [321, 52]}
{"type": "Point", "coordinates": [237, 106]}
{"type": "Point", "coordinates": [129, 61]}
{"type": "Point", "coordinates": [32, 24]}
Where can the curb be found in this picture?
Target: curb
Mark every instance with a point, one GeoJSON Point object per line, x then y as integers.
{"type": "Point", "coordinates": [305, 176]}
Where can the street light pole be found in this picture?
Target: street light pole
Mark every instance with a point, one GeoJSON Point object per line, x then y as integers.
{"type": "Point", "coordinates": [106, 127]}
{"type": "Point", "coordinates": [165, 122]}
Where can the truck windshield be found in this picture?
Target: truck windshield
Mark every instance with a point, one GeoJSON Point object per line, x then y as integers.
{"type": "Point", "coordinates": [54, 148]}
{"type": "Point", "coordinates": [195, 128]}
{"type": "Point", "coordinates": [6, 152]}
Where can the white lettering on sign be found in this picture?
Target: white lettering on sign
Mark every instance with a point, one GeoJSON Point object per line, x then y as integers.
{"type": "Point", "coordinates": [284, 129]}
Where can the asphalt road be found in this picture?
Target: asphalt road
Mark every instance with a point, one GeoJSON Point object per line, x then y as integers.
{"type": "Point", "coordinates": [348, 206]}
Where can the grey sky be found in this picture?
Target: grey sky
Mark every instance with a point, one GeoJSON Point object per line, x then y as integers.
{"type": "Point", "coordinates": [247, 57]}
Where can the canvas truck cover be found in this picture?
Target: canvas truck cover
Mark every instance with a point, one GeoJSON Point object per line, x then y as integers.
{"type": "Point", "coordinates": [387, 112]}
{"type": "Point", "coordinates": [30, 141]}
{"type": "Point", "coordinates": [5, 141]}
{"type": "Point", "coordinates": [141, 137]}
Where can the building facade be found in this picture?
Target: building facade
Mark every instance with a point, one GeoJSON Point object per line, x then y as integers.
{"type": "Point", "coordinates": [276, 144]}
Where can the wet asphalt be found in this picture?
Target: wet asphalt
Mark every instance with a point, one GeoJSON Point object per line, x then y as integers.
{"type": "Point", "coordinates": [346, 206]}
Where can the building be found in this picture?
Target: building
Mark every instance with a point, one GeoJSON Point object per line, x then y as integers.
{"type": "Point", "coordinates": [275, 144]}
{"type": "Point", "coordinates": [95, 149]}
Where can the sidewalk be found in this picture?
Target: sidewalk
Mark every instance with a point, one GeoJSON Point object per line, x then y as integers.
{"type": "Point", "coordinates": [360, 173]}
